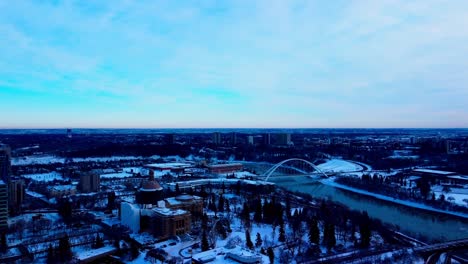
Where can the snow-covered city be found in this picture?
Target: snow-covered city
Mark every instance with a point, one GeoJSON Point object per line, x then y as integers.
{"type": "Point", "coordinates": [208, 202]}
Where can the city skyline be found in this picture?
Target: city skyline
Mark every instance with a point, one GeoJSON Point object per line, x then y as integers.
{"type": "Point", "coordinates": [221, 64]}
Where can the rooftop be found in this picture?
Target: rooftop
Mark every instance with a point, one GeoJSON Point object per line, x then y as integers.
{"type": "Point", "coordinates": [440, 172]}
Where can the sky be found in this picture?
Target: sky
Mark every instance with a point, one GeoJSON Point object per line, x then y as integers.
{"type": "Point", "coordinates": [240, 63]}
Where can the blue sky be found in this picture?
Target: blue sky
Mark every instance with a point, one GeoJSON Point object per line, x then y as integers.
{"type": "Point", "coordinates": [206, 63]}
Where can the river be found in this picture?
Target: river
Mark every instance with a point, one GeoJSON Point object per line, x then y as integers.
{"type": "Point", "coordinates": [431, 225]}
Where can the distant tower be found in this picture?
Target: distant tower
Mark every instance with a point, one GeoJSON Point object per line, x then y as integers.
{"type": "Point", "coordinates": [266, 139]}
{"type": "Point", "coordinates": [233, 138]}
{"type": "Point", "coordinates": [250, 139]}
{"type": "Point", "coordinates": [3, 206]}
{"type": "Point", "coordinates": [5, 163]}
{"type": "Point", "coordinates": [69, 133]}
{"type": "Point", "coordinates": [216, 138]}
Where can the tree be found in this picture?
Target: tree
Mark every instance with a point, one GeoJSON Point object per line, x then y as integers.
{"type": "Point", "coordinates": [221, 204]}
{"type": "Point", "coordinates": [282, 235]}
{"type": "Point", "coordinates": [111, 200]}
{"type": "Point", "coordinates": [329, 238]}
{"type": "Point", "coordinates": [424, 187]}
{"type": "Point", "coordinates": [248, 240]}
{"type": "Point", "coordinates": [64, 249]}
{"type": "Point", "coordinates": [50, 255]}
{"type": "Point", "coordinates": [314, 232]}
{"type": "Point", "coordinates": [364, 229]}
{"type": "Point", "coordinates": [271, 255]}
{"type": "Point", "coordinates": [134, 250]}
{"type": "Point", "coordinates": [3, 243]}
{"type": "Point", "coordinates": [204, 242]}
{"type": "Point", "coordinates": [177, 189]}
{"type": "Point", "coordinates": [258, 240]}
{"type": "Point", "coordinates": [258, 211]}
{"type": "Point", "coordinates": [98, 242]}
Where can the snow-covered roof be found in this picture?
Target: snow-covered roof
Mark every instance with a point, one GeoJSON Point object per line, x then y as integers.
{"type": "Point", "coordinates": [169, 165]}
{"type": "Point", "coordinates": [93, 253]}
{"type": "Point", "coordinates": [440, 172]}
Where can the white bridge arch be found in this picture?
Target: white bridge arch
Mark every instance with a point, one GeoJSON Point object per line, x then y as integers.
{"type": "Point", "coordinates": [270, 171]}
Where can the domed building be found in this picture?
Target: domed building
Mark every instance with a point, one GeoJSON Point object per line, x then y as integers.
{"type": "Point", "coordinates": [150, 192]}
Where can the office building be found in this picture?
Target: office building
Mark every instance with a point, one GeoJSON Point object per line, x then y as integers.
{"type": "Point", "coordinates": [283, 139]}
{"type": "Point", "coordinates": [90, 182]}
{"type": "Point", "coordinates": [3, 206]}
{"type": "Point", "coordinates": [233, 138]}
{"type": "Point", "coordinates": [266, 139]}
{"type": "Point", "coordinates": [15, 195]}
{"type": "Point", "coordinates": [216, 138]}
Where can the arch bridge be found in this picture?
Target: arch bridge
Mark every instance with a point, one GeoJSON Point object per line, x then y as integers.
{"type": "Point", "coordinates": [267, 174]}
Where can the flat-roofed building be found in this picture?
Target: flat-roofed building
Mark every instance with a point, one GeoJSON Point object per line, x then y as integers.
{"type": "Point", "coordinates": [225, 168]}
{"type": "Point", "coordinates": [191, 203]}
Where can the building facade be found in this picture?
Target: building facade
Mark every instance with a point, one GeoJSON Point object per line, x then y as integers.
{"type": "Point", "coordinates": [5, 163]}
{"type": "Point", "coordinates": [15, 195]}
{"type": "Point", "coordinates": [90, 182]}
{"type": "Point", "coordinates": [3, 206]}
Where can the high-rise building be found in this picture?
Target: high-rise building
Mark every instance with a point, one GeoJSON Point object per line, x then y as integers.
{"type": "Point", "coordinates": [233, 138]}
{"type": "Point", "coordinates": [69, 133]}
{"type": "Point", "coordinates": [217, 138]}
{"type": "Point", "coordinates": [266, 139]}
{"type": "Point", "coordinates": [5, 163]}
{"type": "Point", "coordinates": [15, 195]}
{"type": "Point", "coordinates": [90, 182]}
{"type": "Point", "coordinates": [283, 139]}
{"type": "Point", "coordinates": [170, 139]}
{"type": "Point", "coordinates": [3, 205]}
{"type": "Point", "coordinates": [250, 140]}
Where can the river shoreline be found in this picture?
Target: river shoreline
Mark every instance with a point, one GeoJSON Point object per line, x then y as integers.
{"type": "Point", "coordinates": [331, 182]}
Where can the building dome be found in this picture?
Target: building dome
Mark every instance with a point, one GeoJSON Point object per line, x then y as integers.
{"type": "Point", "coordinates": [184, 198]}
{"type": "Point", "coordinates": [150, 186]}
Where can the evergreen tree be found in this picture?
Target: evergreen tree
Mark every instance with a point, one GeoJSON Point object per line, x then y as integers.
{"type": "Point", "coordinates": [204, 243]}
{"type": "Point", "coordinates": [248, 240]}
{"type": "Point", "coordinates": [228, 206]}
{"type": "Point", "coordinates": [98, 242]}
{"type": "Point", "coordinates": [282, 235]}
{"type": "Point", "coordinates": [364, 229]}
{"type": "Point", "coordinates": [177, 189]}
{"type": "Point", "coordinates": [134, 251]}
{"type": "Point", "coordinates": [3, 243]}
{"type": "Point", "coordinates": [314, 232]}
{"type": "Point", "coordinates": [271, 255]}
{"type": "Point", "coordinates": [221, 204]}
{"type": "Point", "coordinates": [50, 255]}
{"type": "Point", "coordinates": [64, 249]}
{"type": "Point", "coordinates": [258, 240]}
{"type": "Point", "coordinates": [111, 200]}
{"type": "Point", "coordinates": [329, 238]}
{"type": "Point", "coordinates": [258, 211]}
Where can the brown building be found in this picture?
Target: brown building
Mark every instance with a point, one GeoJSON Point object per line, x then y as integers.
{"type": "Point", "coordinates": [193, 204]}
{"type": "Point", "coordinates": [166, 222]}
{"type": "Point", "coordinates": [225, 168]}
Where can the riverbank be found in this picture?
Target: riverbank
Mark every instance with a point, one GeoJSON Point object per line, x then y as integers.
{"type": "Point", "coordinates": [331, 182]}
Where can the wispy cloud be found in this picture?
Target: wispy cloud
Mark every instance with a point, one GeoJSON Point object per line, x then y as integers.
{"type": "Point", "coordinates": [255, 63]}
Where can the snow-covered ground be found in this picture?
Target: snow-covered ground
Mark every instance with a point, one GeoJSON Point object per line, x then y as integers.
{"type": "Point", "coordinates": [44, 177]}
{"type": "Point", "coordinates": [339, 165]}
{"type": "Point", "coordinates": [458, 194]}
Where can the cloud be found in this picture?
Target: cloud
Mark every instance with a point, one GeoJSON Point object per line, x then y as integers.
{"type": "Point", "coordinates": [277, 63]}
